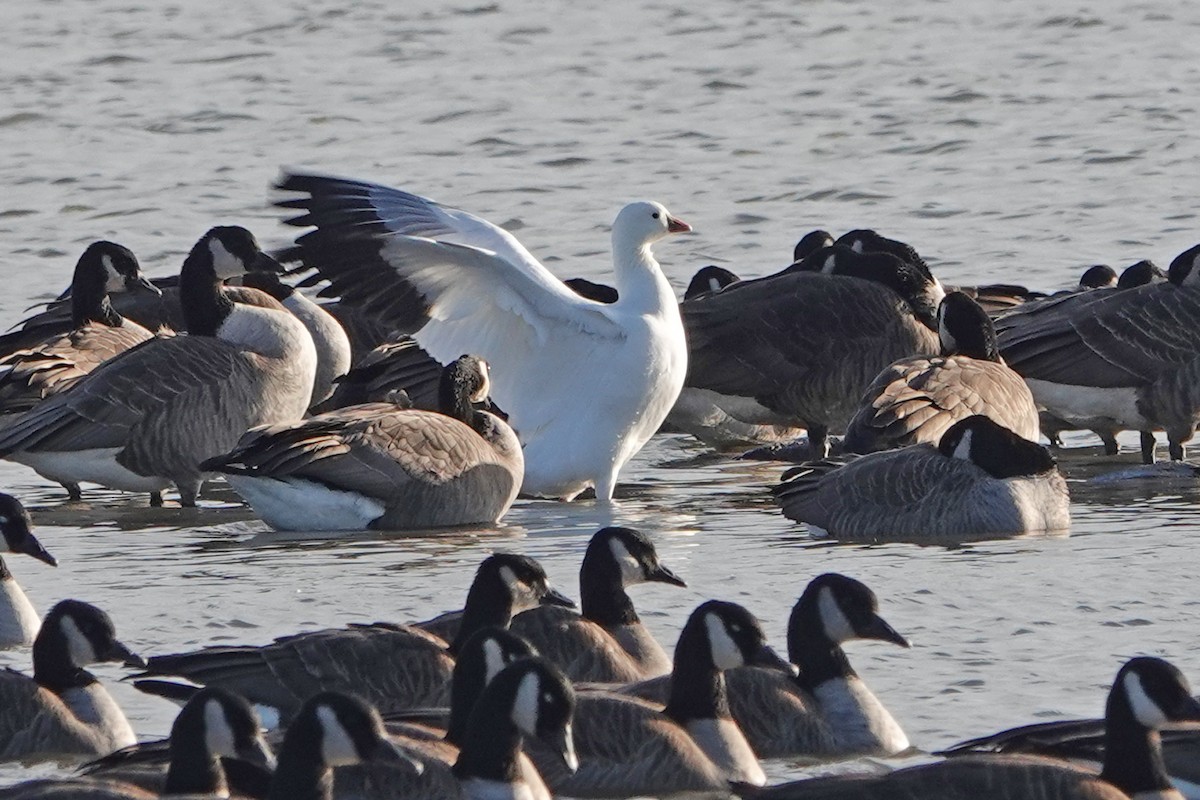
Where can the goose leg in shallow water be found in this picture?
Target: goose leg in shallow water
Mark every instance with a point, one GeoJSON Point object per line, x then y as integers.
{"type": "Point", "coordinates": [1175, 446]}
{"type": "Point", "coordinates": [187, 493]}
{"type": "Point", "coordinates": [1110, 444]}
{"type": "Point", "coordinates": [1148, 445]}
{"type": "Point", "coordinates": [818, 441]}
{"type": "Point", "coordinates": [156, 500]}
{"type": "Point", "coordinates": [73, 491]}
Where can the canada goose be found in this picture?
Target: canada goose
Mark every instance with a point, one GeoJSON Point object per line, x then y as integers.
{"type": "Point", "coordinates": [396, 667]}
{"type": "Point", "coordinates": [1147, 694]}
{"type": "Point", "coordinates": [214, 724]}
{"type": "Point", "coordinates": [42, 368]}
{"type": "Point", "coordinates": [19, 622]}
{"type": "Point", "coordinates": [147, 418]}
{"type": "Point", "coordinates": [1140, 273]}
{"type": "Point", "coordinates": [980, 479]}
{"type": "Point", "coordinates": [380, 466]}
{"type": "Point", "coordinates": [1097, 276]}
{"type": "Point", "coordinates": [708, 280]}
{"type": "Point", "coordinates": [605, 642]}
{"type": "Point", "coordinates": [629, 746]}
{"type": "Point", "coordinates": [915, 400]}
{"type": "Point", "coordinates": [63, 710]}
{"type": "Point", "coordinates": [790, 342]}
{"type": "Point", "coordinates": [328, 335]}
{"type": "Point", "coordinates": [472, 287]}
{"type": "Point", "coordinates": [1124, 356]}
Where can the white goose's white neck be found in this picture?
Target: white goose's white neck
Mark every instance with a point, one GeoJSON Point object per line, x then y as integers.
{"type": "Point", "coordinates": [641, 286]}
{"type": "Point", "coordinates": [856, 717]}
{"type": "Point", "coordinates": [19, 622]}
{"type": "Point", "coordinates": [94, 706]}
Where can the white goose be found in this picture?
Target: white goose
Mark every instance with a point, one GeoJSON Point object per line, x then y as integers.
{"type": "Point", "coordinates": [585, 383]}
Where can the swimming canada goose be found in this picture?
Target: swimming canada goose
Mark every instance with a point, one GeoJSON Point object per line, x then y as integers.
{"type": "Point", "coordinates": [803, 344]}
{"type": "Point", "coordinates": [396, 667]}
{"type": "Point", "coordinates": [528, 699]}
{"type": "Point", "coordinates": [605, 642]}
{"type": "Point", "coordinates": [980, 479]}
{"type": "Point", "coordinates": [381, 466]}
{"type": "Point", "coordinates": [19, 622]}
{"type": "Point", "coordinates": [460, 284]}
{"type": "Point", "coordinates": [214, 724]}
{"type": "Point", "coordinates": [825, 709]}
{"type": "Point", "coordinates": [630, 746]}
{"type": "Point", "coordinates": [915, 400]}
{"type": "Point", "coordinates": [328, 335]}
{"type": "Point", "coordinates": [1147, 694]}
{"type": "Point", "coordinates": [63, 710]}
{"type": "Point", "coordinates": [146, 419]}
{"type": "Point", "coordinates": [42, 368]}
{"type": "Point", "coordinates": [1122, 356]}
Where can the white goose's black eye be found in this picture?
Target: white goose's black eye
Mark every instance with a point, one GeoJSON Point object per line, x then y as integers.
{"type": "Point", "coordinates": [655, 215]}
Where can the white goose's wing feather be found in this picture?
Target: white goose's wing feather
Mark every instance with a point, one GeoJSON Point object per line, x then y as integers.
{"type": "Point", "coordinates": [459, 267]}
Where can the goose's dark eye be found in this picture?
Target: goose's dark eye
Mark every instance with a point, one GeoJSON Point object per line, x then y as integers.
{"type": "Point", "coordinates": [655, 215]}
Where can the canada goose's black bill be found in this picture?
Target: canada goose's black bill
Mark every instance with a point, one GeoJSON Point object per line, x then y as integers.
{"type": "Point", "coordinates": [878, 628]}
{"type": "Point", "coordinates": [265, 262]}
{"type": "Point", "coordinates": [120, 652]}
{"type": "Point", "coordinates": [553, 597]}
{"type": "Point", "coordinates": [562, 742]}
{"type": "Point", "coordinates": [386, 752]}
{"type": "Point", "coordinates": [766, 657]}
{"type": "Point", "coordinates": [30, 546]}
{"type": "Point", "coordinates": [661, 574]}
{"type": "Point", "coordinates": [143, 284]}
{"type": "Point", "coordinates": [257, 753]}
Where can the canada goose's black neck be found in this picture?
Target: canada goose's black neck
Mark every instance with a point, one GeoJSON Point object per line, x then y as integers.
{"type": "Point", "coordinates": [697, 686]}
{"type": "Point", "coordinates": [52, 664]}
{"type": "Point", "coordinates": [302, 773]}
{"type": "Point", "coordinates": [457, 385]}
{"type": "Point", "coordinates": [204, 303]}
{"type": "Point", "coordinates": [602, 595]}
{"type": "Point", "coordinates": [193, 769]}
{"type": "Point", "coordinates": [1133, 759]}
{"type": "Point", "coordinates": [809, 647]}
{"type": "Point", "coordinates": [492, 742]}
{"type": "Point", "coordinates": [489, 602]}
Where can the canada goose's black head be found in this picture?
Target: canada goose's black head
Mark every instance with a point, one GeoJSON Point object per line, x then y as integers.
{"type": "Point", "coordinates": [994, 448]}
{"type": "Point", "coordinates": [631, 553]}
{"type": "Point", "coordinates": [868, 241]}
{"type": "Point", "coordinates": [839, 609]}
{"type": "Point", "coordinates": [16, 526]}
{"type": "Point", "coordinates": [465, 382]}
{"type": "Point", "coordinates": [225, 724]}
{"type": "Point", "coordinates": [1182, 271]}
{"type": "Point", "coordinates": [810, 243]}
{"type": "Point", "coordinates": [76, 634]}
{"type": "Point", "coordinates": [542, 704]}
{"type": "Point", "coordinates": [1141, 273]}
{"type": "Point", "coordinates": [334, 729]}
{"type": "Point", "coordinates": [1098, 276]}
{"type": "Point", "coordinates": [708, 280]}
{"type": "Point", "coordinates": [523, 579]}
{"type": "Point", "coordinates": [913, 283]}
{"type": "Point", "coordinates": [729, 636]}
{"type": "Point", "coordinates": [964, 328]}
{"type": "Point", "coordinates": [105, 268]}
{"type": "Point", "coordinates": [1153, 692]}
{"type": "Point", "coordinates": [232, 251]}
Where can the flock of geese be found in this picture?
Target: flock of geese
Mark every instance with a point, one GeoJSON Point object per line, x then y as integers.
{"type": "Point", "coordinates": [454, 372]}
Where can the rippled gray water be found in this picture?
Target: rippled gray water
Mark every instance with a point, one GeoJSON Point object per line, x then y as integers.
{"type": "Point", "coordinates": [1015, 141]}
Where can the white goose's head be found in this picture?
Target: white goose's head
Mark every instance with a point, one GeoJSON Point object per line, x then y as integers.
{"type": "Point", "coordinates": [645, 222]}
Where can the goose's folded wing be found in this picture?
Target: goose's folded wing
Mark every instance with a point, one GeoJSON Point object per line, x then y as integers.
{"type": "Point", "coordinates": [168, 384]}
{"type": "Point", "coordinates": [36, 721]}
{"type": "Point", "coordinates": [1118, 338]}
{"type": "Point", "coordinates": [756, 338]}
{"type": "Point", "coordinates": [415, 262]}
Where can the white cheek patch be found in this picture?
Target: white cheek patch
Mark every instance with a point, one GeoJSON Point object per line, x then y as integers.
{"type": "Point", "coordinates": [833, 619]}
{"type": "Point", "coordinates": [79, 648]}
{"type": "Point", "coordinates": [949, 344]}
{"type": "Point", "coordinates": [713, 284]}
{"type": "Point", "coordinates": [525, 704]}
{"type": "Point", "coordinates": [337, 746]}
{"type": "Point", "coordinates": [486, 387]}
{"type": "Point", "coordinates": [114, 281]}
{"type": "Point", "coordinates": [1145, 710]}
{"type": "Point", "coordinates": [493, 659]}
{"type": "Point", "coordinates": [631, 570]}
{"type": "Point", "coordinates": [937, 292]}
{"type": "Point", "coordinates": [830, 263]}
{"type": "Point", "coordinates": [963, 450]}
{"type": "Point", "coordinates": [225, 263]}
{"type": "Point", "coordinates": [725, 652]}
{"type": "Point", "coordinates": [218, 735]}
{"type": "Point", "coordinates": [857, 246]}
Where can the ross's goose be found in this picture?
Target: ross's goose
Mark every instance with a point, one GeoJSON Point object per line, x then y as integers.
{"type": "Point", "coordinates": [585, 383]}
